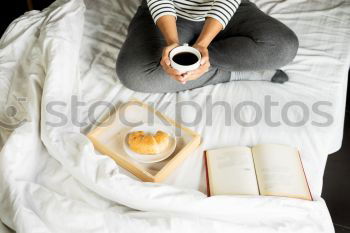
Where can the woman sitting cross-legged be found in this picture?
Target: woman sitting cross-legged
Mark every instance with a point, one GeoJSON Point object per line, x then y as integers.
{"type": "Point", "coordinates": [232, 37]}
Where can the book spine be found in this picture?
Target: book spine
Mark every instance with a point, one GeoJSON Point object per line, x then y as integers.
{"type": "Point", "coordinates": [307, 182]}
{"type": "Point", "coordinates": [256, 174]}
{"type": "Point", "coordinates": [207, 172]}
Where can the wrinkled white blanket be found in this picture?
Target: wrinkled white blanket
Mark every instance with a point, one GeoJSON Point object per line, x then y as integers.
{"type": "Point", "coordinates": [51, 179]}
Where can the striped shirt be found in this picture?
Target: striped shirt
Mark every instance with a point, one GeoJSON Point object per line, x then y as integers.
{"type": "Point", "coordinates": [195, 10]}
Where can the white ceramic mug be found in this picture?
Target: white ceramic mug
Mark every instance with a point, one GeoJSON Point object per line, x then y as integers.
{"type": "Point", "coordinates": [181, 49]}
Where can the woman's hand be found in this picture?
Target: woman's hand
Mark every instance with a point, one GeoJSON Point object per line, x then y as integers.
{"type": "Point", "coordinates": [167, 25]}
{"type": "Point", "coordinates": [209, 31]}
{"type": "Point", "coordinates": [165, 63]}
{"type": "Point", "coordinates": [202, 69]}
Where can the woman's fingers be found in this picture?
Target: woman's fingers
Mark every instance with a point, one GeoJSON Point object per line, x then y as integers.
{"type": "Point", "coordinates": [166, 51]}
{"type": "Point", "coordinates": [165, 63]}
{"type": "Point", "coordinates": [165, 60]}
{"type": "Point", "coordinates": [182, 79]}
{"type": "Point", "coordinates": [192, 75]}
{"type": "Point", "coordinates": [174, 74]}
{"type": "Point", "coordinates": [168, 69]}
{"type": "Point", "coordinates": [202, 69]}
{"type": "Point", "coordinates": [177, 78]}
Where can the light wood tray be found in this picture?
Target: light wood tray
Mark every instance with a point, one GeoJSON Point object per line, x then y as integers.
{"type": "Point", "coordinates": [108, 139]}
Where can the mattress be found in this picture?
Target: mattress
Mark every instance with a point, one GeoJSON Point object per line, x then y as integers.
{"type": "Point", "coordinates": [52, 179]}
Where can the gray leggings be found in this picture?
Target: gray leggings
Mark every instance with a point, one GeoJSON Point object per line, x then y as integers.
{"type": "Point", "coordinates": [252, 41]}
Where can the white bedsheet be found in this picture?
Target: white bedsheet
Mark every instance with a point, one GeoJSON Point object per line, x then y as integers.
{"type": "Point", "coordinates": [52, 180]}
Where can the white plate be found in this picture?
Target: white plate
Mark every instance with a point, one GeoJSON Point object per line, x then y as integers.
{"type": "Point", "coordinates": [151, 129]}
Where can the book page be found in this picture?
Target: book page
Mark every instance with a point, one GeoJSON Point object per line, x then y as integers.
{"type": "Point", "coordinates": [279, 171]}
{"type": "Point", "coordinates": [231, 171]}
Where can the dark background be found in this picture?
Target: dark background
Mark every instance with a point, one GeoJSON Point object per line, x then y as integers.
{"type": "Point", "coordinates": [336, 190]}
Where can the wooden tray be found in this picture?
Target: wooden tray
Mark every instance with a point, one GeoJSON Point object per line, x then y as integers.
{"type": "Point", "coordinates": [108, 139]}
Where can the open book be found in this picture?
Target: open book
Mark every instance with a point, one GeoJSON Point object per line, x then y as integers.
{"type": "Point", "coordinates": [266, 169]}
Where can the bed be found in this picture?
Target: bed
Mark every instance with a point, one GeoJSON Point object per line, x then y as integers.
{"type": "Point", "coordinates": [51, 178]}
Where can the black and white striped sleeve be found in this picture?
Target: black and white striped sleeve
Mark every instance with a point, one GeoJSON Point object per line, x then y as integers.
{"type": "Point", "coordinates": [223, 10]}
{"type": "Point", "coordinates": [160, 8]}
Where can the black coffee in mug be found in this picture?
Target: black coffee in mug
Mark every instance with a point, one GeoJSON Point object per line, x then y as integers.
{"type": "Point", "coordinates": [185, 58]}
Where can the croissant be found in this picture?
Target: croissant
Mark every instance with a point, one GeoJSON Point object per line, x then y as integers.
{"type": "Point", "coordinates": [142, 143]}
